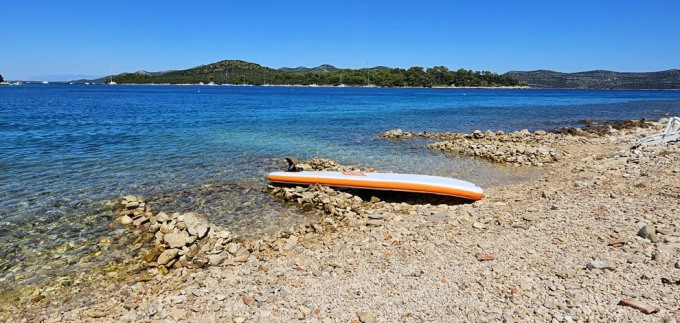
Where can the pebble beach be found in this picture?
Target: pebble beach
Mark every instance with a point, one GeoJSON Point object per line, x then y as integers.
{"type": "Point", "coordinates": [595, 238]}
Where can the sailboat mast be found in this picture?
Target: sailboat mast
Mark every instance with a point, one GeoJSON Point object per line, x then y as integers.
{"type": "Point", "coordinates": [111, 82]}
{"type": "Point", "coordinates": [368, 71]}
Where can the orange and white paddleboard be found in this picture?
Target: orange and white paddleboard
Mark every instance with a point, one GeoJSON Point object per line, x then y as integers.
{"type": "Point", "coordinates": [383, 181]}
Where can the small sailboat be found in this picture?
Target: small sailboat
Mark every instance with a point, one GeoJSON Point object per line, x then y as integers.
{"type": "Point", "coordinates": [111, 82]}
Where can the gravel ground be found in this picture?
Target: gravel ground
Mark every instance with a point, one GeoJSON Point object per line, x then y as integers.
{"type": "Point", "coordinates": [601, 226]}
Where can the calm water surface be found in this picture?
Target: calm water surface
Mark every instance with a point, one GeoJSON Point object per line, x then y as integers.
{"type": "Point", "coordinates": [67, 151]}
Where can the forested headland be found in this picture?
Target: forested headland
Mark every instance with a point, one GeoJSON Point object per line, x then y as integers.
{"type": "Point", "coordinates": [241, 72]}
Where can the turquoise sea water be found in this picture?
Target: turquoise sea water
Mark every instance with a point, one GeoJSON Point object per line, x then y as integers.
{"type": "Point", "coordinates": [67, 151]}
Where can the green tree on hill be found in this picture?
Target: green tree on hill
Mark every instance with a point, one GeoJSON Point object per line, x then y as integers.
{"type": "Point", "coordinates": [439, 75]}
{"type": "Point", "coordinates": [1, 79]}
{"type": "Point", "coordinates": [415, 76]}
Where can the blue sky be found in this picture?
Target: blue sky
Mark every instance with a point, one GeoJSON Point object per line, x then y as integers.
{"type": "Point", "coordinates": [51, 39]}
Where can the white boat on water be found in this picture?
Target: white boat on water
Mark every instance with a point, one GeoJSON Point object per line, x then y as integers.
{"type": "Point", "coordinates": [44, 82]}
{"type": "Point", "coordinates": [111, 82]}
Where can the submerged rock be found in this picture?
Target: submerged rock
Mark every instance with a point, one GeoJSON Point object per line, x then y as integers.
{"type": "Point", "coordinates": [166, 256]}
{"type": "Point", "coordinates": [125, 220]}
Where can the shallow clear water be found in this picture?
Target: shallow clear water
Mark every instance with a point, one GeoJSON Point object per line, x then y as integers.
{"type": "Point", "coordinates": [67, 151]}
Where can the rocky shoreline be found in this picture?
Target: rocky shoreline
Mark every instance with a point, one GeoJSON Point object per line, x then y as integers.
{"type": "Point", "coordinates": [597, 238]}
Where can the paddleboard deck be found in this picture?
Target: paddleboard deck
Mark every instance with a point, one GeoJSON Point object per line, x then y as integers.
{"type": "Point", "coordinates": [383, 181]}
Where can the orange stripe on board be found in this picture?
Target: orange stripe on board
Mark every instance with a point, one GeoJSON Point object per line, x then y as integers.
{"type": "Point", "coordinates": [397, 186]}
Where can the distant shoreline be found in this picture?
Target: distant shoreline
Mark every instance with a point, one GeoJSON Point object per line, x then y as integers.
{"type": "Point", "coordinates": [284, 85]}
{"type": "Point", "coordinates": [339, 86]}
{"type": "Point", "coordinates": [14, 83]}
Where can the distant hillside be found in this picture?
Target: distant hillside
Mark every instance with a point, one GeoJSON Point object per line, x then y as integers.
{"type": "Point", "coordinates": [326, 68]}
{"type": "Point", "coordinates": [241, 72]}
{"type": "Point", "coordinates": [153, 73]}
{"type": "Point", "coordinates": [232, 72]}
{"type": "Point", "coordinates": [302, 69]}
{"type": "Point", "coordinates": [669, 79]}
{"type": "Point", "coordinates": [105, 79]}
